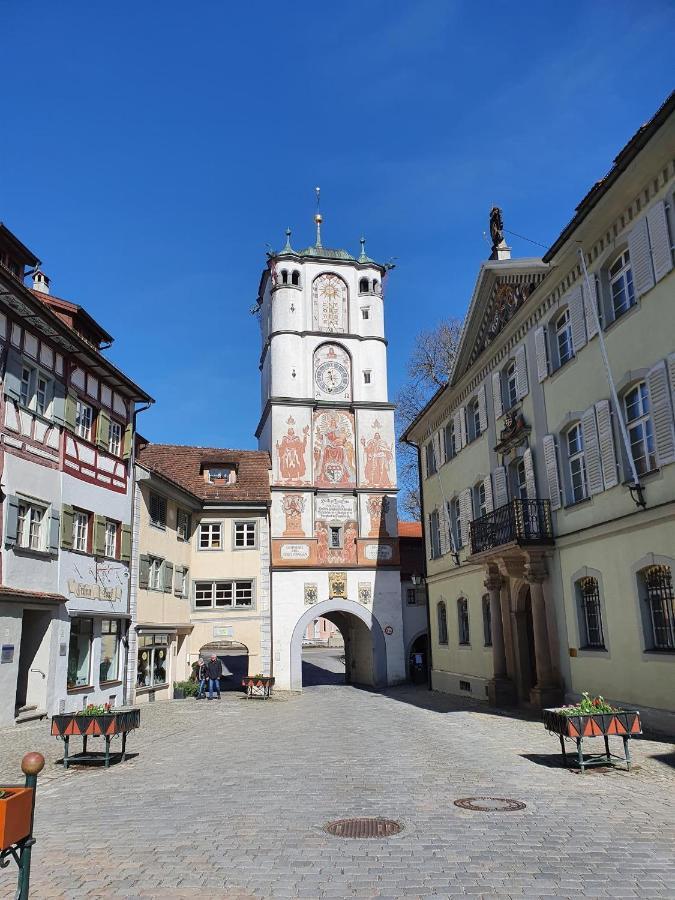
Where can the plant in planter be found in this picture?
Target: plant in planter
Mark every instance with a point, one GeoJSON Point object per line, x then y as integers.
{"type": "Point", "coordinates": [258, 685]}
{"type": "Point", "coordinates": [183, 689]}
{"type": "Point", "coordinates": [593, 717]}
{"type": "Point", "coordinates": [96, 721]}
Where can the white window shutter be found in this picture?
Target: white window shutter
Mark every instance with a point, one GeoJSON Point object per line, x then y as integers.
{"type": "Point", "coordinates": [606, 438]}
{"type": "Point", "coordinates": [590, 306]}
{"type": "Point", "coordinates": [427, 536]}
{"type": "Point", "coordinates": [576, 308]}
{"type": "Point", "coordinates": [501, 495]}
{"type": "Point", "coordinates": [521, 372]}
{"type": "Point", "coordinates": [662, 414]}
{"type": "Point", "coordinates": [592, 451]}
{"type": "Point", "coordinates": [443, 526]}
{"type": "Point", "coordinates": [465, 512]}
{"type": "Point", "coordinates": [659, 238]}
{"type": "Point", "coordinates": [437, 450]}
{"type": "Point", "coordinates": [551, 462]}
{"type": "Point", "coordinates": [671, 376]}
{"type": "Point", "coordinates": [497, 394]}
{"type": "Point", "coordinates": [641, 257]}
{"type": "Point", "coordinates": [482, 408]}
{"type": "Point", "coordinates": [457, 418]}
{"type": "Point", "coordinates": [530, 480]}
{"type": "Point", "coordinates": [540, 349]}
{"type": "Point", "coordinates": [489, 501]}
{"type": "Point", "coordinates": [462, 425]}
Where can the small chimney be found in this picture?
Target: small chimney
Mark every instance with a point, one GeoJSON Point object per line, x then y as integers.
{"type": "Point", "coordinates": [40, 282]}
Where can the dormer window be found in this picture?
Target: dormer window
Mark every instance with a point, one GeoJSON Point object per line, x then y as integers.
{"type": "Point", "coordinates": [220, 474]}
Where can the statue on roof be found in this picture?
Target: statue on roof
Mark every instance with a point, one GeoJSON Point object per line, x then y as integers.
{"type": "Point", "coordinates": [496, 227]}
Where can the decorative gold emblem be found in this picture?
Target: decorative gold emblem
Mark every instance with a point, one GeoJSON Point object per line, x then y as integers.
{"type": "Point", "coordinates": [337, 584]}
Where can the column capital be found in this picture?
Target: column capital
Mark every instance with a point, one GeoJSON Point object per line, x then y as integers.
{"type": "Point", "coordinates": [493, 581]}
{"type": "Point", "coordinates": [535, 572]}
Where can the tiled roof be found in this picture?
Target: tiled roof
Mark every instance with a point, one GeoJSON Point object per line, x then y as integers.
{"type": "Point", "coordinates": [184, 466]}
{"type": "Point", "coordinates": [21, 594]}
{"type": "Point", "coordinates": [410, 530]}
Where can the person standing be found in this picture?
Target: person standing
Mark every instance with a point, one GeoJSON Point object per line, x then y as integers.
{"type": "Point", "coordinates": [201, 678]}
{"type": "Point", "coordinates": [215, 670]}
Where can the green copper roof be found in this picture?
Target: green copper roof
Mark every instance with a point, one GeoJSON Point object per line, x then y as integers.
{"type": "Point", "coordinates": [326, 253]}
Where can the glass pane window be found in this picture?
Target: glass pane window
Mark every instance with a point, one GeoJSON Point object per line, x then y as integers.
{"type": "Point", "coordinates": [157, 506]}
{"type": "Point", "coordinates": [591, 614]}
{"type": "Point", "coordinates": [79, 651]}
{"type": "Point", "coordinates": [244, 593]}
{"type": "Point", "coordinates": [30, 533]}
{"type": "Point", "coordinates": [661, 606]}
{"type": "Point", "coordinates": [511, 384]}
{"type": "Point", "coordinates": [84, 417]}
{"type": "Point", "coordinates": [244, 534]}
{"type": "Point", "coordinates": [450, 448]}
{"type": "Point", "coordinates": [224, 473]}
{"type": "Point", "coordinates": [475, 417]}
{"type": "Point", "coordinates": [151, 671]}
{"type": "Point", "coordinates": [442, 623]}
{"type": "Point", "coordinates": [563, 330]}
{"type": "Point", "coordinates": [479, 500]}
{"type": "Point", "coordinates": [411, 596]}
{"type": "Point", "coordinates": [621, 284]}
{"type": "Point", "coordinates": [463, 620]}
{"type": "Point", "coordinates": [81, 531]}
{"type": "Point", "coordinates": [42, 395]}
{"type": "Point", "coordinates": [456, 520]}
{"type": "Point", "coordinates": [182, 525]}
{"type": "Point", "coordinates": [26, 382]}
{"type": "Point", "coordinates": [210, 536]}
{"type": "Point", "coordinates": [155, 574]}
{"type": "Point", "coordinates": [521, 480]}
{"type": "Point", "coordinates": [223, 593]}
{"type": "Point", "coordinates": [577, 463]}
{"type": "Point", "coordinates": [110, 642]}
{"type": "Point", "coordinates": [435, 535]}
{"type": "Point", "coordinates": [431, 458]}
{"type": "Point", "coordinates": [115, 438]}
{"type": "Point", "coordinates": [111, 538]}
{"type": "Point", "coordinates": [487, 621]}
{"type": "Point", "coordinates": [640, 428]}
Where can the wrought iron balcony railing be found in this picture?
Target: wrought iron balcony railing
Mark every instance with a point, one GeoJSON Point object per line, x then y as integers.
{"type": "Point", "coordinates": [517, 522]}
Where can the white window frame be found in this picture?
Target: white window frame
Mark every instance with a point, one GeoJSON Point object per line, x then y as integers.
{"type": "Point", "coordinates": [456, 517]}
{"type": "Point", "coordinates": [563, 335]}
{"type": "Point", "coordinates": [84, 419]}
{"type": "Point", "coordinates": [640, 428]}
{"type": "Point", "coordinates": [81, 531]}
{"type": "Point", "coordinates": [111, 533]}
{"type": "Point", "coordinates": [622, 279]}
{"type": "Point", "coordinates": [451, 444]}
{"type": "Point", "coordinates": [245, 535]}
{"type": "Point", "coordinates": [115, 438]}
{"type": "Point", "coordinates": [576, 463]}
{"type": "Point", "coordinates": [31, 395]}
{"type": "Point", "coordinates": [155, 573]}
{"type": "Point", "coordinates": [224, 594]}
{"type": "Point", "coordinates": [511, 385]}
{"type": "Point", "coordinates": [217, 473]}
{"type": "Point", "coordinates": [31, 533]}
{"type": "Point", "coordinates": [474, 418]}
{"type": "Point", "coordinates": [463, 625]}
{"type": "Point", "coordinates": [207, 536]}
{"type": "Point", "coordinates": [182, 528]}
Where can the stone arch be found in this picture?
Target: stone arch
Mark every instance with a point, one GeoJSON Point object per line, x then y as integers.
{"type": "Point", "coordinates": [340, 608]}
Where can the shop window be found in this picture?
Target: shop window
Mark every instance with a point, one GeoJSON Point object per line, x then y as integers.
{"type": "Point", "coordinates": [463, 621]}
{"type": "Point", "coordinates": [152, 660]}
{"type": "Point", "coordinates": [640, 428]}
{"type": "Point", "coordinates": [590, 614]}
{"type": "Point", "coordinates": [442, 614]}
{"type": "Point", "coordinates": [110, 647]}
{"type": "Point", "coordinates": [487, 621]}
{"type": "Point", "coordinates": [79, 652]}
{"type": "Point", "coordinates": [657, 592]}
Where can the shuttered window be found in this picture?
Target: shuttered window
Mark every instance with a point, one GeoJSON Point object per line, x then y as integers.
{"type": "Point", "coordinates": [563, 333]}
{"type": "Point", "coordinates": [621, 284]}
{"type": "Point", "coordinates": [511, 384]}
{"type": "Point", "coordinates": [463, 621]}
{"type": "Point", "coordinates": [551, 462]}
{"type": "Point", "coordinates": [442, 615]}
{"type": "Point", "coordinates": [576, 464]}
{"type": "Point", "coordinates": [450, 447]}
{"type": "Point", "coordinates": [435, 535]}
{"type": "Point", "coordinates": [640, 428]}
{"type": "Point", "coordinates": [431, 458]}
{"type": "Point", "coordinates": [157, 506]}
{"type": "Point", "coordinates": [31, 526]}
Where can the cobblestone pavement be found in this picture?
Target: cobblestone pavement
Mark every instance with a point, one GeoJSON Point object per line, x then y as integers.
{"type": "Point", "coordinates": [227, 800]}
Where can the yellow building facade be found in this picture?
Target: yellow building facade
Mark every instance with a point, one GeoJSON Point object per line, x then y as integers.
{"type": "Point", "coordinates": [548, 461]}
{"type": "Point", "coordinates": [200, 576]}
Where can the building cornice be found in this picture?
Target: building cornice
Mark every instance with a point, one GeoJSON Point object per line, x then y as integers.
{"type": "Point", "coordinates": [318, 404]}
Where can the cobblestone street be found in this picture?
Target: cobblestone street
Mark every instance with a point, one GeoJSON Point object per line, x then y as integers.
{"type": "Point", "coordinates": [227, 800]}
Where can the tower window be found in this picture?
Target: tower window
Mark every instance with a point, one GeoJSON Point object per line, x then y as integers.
{"type": "Point", "coordinates": [284, 276]}
{"type": "Point", "coordinates": [363, 286]}
{"type": "Point", "coordinates": [365, 312]}
{"type": "Point", "coordinates": [335, 536]}
{"type": "Point", "coordinates": [366, 376]}
{"type": "Point", "coordinates": [295, 278]}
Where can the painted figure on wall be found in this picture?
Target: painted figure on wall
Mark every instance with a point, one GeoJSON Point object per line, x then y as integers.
{"type": "Point", "coordinates": [378, 507]}
{"type": "Point", "coordinates": [291, 453]}
{"type": "Point", "coordinates": [334, 456]}
{"type": "Point", "coordinates": [378, 458]}
{"type": "Point", "coordinates": [293, 505]}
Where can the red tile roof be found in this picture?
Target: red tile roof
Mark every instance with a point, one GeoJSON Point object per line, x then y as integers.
{"type": "Point", "coordinates": [184, 466]}
{"type": "Point", "coordinates": [22, 594]}
{"type": "Point", "coordinates": [410, 530]}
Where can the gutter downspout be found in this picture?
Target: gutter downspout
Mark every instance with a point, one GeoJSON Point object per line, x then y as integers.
{"type": "Point", "coordinates": [424, 556]}
{"type": "Point", "coordinates": [131, 635]}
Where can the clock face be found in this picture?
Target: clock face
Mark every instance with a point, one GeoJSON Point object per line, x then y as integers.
{"type": "Point", "coordinates": [332, 377]}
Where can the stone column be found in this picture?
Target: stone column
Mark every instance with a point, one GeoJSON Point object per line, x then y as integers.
{"type": "Point", "coordinates": [546, 690]}
{"type": "Point", "coordinates": [501, 691]}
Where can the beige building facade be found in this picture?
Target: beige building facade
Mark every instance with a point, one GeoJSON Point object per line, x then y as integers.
{"type": "Point", "coordinates": [548, 474]}
{"type": "Point", "coordinates": [201, 564]}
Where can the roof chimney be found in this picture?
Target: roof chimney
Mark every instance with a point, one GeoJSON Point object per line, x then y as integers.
{"type": "Point", "coordinates": [40, 282]}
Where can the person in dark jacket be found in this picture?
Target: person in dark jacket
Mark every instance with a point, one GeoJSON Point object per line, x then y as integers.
{"type": "Point", "coordinates": [215, 670]}
{"type": "Point", "coordinates": [202, 675]}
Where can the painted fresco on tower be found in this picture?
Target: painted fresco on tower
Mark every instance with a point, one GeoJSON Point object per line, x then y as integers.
{"type": "Point", "coordinates": [291, 450]}
{"type": "Point", "coordinates": [332, 373]}
{"type": "Point", "coordinates": [292, 514]}
{"type": "Point", "coordinates": [329, 303]}
{"type": "Point", "coordinates": [378, 516]}
{"type": "Point", "coordinates": [376, 450]}
{"type": "Point", "coordinates": [334, 548]}
{"type": "Point", "coordinates": [334, 449]}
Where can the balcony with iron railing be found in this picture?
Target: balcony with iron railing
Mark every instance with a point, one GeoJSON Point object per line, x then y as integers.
{"type": "Point", "coordinates": [520, 522]}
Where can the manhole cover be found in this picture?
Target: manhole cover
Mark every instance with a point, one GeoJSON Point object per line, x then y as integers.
{"type": "Point", "coordinates": [489, 804]}
{"type": "Point", "coordinates": [363, 828]}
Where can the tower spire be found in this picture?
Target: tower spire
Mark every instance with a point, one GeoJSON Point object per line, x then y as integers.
{"type": "Point", "coordinates": [288, 248]}
{"type": "Point", "coordinates": [362, 255]}
{"type": "Point", "coordinates": [318, 218]}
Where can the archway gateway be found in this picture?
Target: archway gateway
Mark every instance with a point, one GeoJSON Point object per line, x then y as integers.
{"type": "Point", "coordinates": [365, 649]}
{"type": "Point", "coordinates": [234, 656]}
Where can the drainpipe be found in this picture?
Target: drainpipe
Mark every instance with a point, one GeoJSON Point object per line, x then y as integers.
{"type": "Point", "coordinates": [424, 567]}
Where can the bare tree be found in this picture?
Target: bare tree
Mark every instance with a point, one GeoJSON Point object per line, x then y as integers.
{"type": "Point", "coordinates": [428, 370]}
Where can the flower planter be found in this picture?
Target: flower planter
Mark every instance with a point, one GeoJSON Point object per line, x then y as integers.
{"type": "Point", "coordinates": [107, 725]}
{"type": "Point", "coordinates": [178, 694]}
{"type": "Point", "coordinates": [622, 723]}
{"type": "Point", "coordinates": [258, 686]}
{"type": "Point", "coordinates": [16, 807]}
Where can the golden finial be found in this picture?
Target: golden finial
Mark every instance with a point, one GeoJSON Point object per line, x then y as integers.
{"type": "Point", "coordinates": [318, 218]}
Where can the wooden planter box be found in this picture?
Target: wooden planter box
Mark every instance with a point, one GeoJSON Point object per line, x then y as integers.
{"type": "Point", "coordinates": [623, 723]}
{"type": "Point", "coordinates": [258, 687]}
{"type": "Point", "coordinates": [15, 815]}
{"type": "Point", "coordinates": [114, 722]}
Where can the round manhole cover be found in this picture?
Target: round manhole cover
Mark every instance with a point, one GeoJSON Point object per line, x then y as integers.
{"type": "Point", "coordinates": [489, 804]}
{"type": "Point", "coordinates": [363, 828]}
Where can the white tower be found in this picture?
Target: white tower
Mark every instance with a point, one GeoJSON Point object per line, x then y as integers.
{"type": "Point", "coordinates": [329, 427]}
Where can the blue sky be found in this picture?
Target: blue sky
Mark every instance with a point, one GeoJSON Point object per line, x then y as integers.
{"type": "Point", "coordinates": [157, 148]}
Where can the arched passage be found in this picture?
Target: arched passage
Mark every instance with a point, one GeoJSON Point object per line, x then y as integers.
{"type": "Point", "coordinates": [365, 650]}
{"type": "Point", "coordinates": [234, 656]}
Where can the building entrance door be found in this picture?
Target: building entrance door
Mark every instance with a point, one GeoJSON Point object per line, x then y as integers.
{"type": "Point", "coordinates": [31, 682]}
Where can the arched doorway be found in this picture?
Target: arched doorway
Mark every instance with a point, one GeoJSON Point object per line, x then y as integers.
{"type": "Point", "coordinates": [526, 664]}
{"type": "Point", "coordinates": [234, 657]}
{"type": "Point", "coordinates": [417, 660]}
{"type": "Point", "coordinates": [364, 644]}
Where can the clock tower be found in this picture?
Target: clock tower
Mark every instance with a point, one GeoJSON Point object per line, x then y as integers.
{"type": "Point", "coordinates": [329, 427]}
